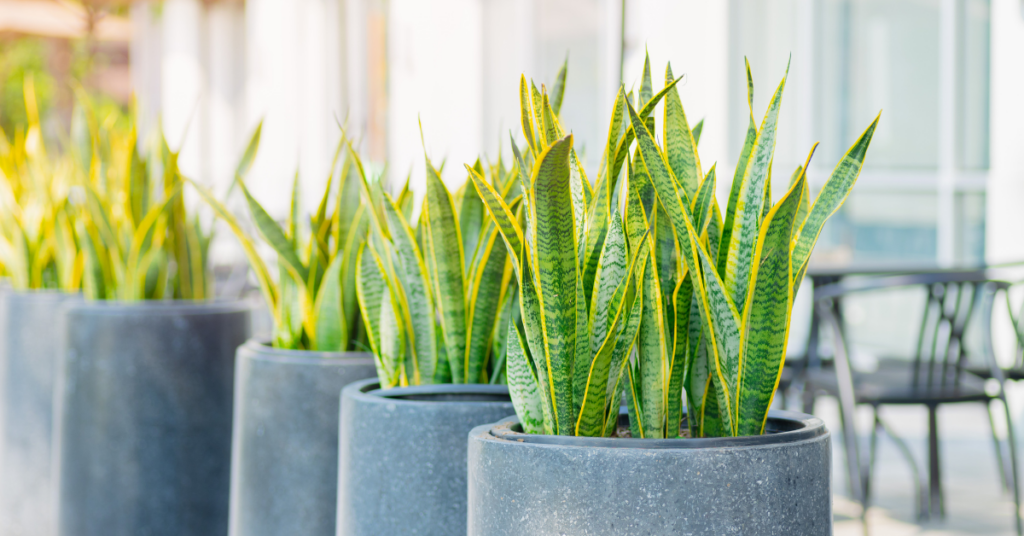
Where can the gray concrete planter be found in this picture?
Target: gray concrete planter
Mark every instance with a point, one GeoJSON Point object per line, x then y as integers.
{"type": "Point", "coordinates": [31, 336]}
{"type": "Point", "coordinates": [145, 423]}
{"type": "Point", "coordinates": [284, 460]}
{"type": "Point", "coordinates": [402, 461]}
{"type": "Point", "coordinates": [533, 485]}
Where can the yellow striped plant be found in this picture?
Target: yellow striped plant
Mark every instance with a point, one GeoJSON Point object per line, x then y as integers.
{"type": "Point", "coordinates": [138, 239]}
{"type": "Point", "coordinates": [313, 300]}
{"type": "Point", "coordinates": [436, 299]}
{"type": "Point", "coordinates": [723, 290]}
{"type": "Point", "coordinates": [579, 302]}
{"type": "Point", "coordinates": [668, 297]}
{"type": "Point", "coordinates": [38, 248]}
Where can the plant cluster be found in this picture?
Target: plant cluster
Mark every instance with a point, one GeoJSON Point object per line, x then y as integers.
{"type": "Point", "coordinates": [435, 300]}
{"type": "Point", "coordinates": [102, 216]}
{"type": "Point", "coordinates": [645, 288]}
{"type": "Point", "coordinates": [313, 300]}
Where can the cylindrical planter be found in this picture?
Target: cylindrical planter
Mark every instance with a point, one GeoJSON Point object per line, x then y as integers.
{"type": "Point", "coordinates": [31, 336]}
{"type": "Point", "coordinates": [284, 460]}
{"type": "Point", "coordinates": [145, 428]}
{"type": "Point", "coordinates": [402, 461]}
{"type": "Point", "coordinates": [533, 485]}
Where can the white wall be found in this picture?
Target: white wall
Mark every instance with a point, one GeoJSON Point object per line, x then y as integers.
{"type": "Point", "coordinates": [293, 61]}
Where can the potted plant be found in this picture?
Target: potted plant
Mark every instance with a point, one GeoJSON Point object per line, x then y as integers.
{"type": "Point", "coordinates": [435, 301]}
{"type": "Point", "coordinates": [39, 256]}
{"type": "Point", "coordinates": [145, 390]}
{"type": "Point", "coordinates": [285, 441]}
{"type": "Point", "coordinates": [682, 300]}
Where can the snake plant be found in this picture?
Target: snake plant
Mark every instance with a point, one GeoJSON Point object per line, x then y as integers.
{"type": "Point", "coordinates": [138, 239]}
{"type": "Point", "coordinates": [435, 299]}
{"type": "Point", "coordinates": [37, 240]}
{"type": "Point", "coordinates": [313, 300]}
{"type": "Point", "coordinates": [667, 297]}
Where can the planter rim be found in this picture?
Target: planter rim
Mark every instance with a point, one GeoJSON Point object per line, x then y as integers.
{"type": "Point", "coordinates": [797, 427]}
{"type": "Point", "coordinates": [369, 391]}
{"type": "Point", "coordinates": [262, 351]}
{"type": "Point", "coordinates": [157, 307]}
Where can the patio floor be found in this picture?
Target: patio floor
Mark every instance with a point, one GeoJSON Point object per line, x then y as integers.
{"type": "Point", "coordinates": [975, 501]}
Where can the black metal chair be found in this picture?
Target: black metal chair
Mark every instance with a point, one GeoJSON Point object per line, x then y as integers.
{"type": "Point", "coordinates": [937, 374]}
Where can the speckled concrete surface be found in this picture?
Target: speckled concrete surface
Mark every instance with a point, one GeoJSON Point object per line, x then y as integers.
{"type": "Point", "coordinates": [528, 489]}
{"type": "Point", "coordinates": [31, 338]}
{"type": "Point", "coordinates": [402, 463]}
{"type": "Point", "coordinates": [145, 435]}
{"type": "Point", "coordinates": [284, 461]}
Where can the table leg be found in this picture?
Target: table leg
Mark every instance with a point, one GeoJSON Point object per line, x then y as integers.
{"type": "Point", "coordinates": [935, 502]}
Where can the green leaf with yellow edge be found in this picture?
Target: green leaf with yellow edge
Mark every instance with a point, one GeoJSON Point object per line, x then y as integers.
{"type": "Point", "coordinates": [737, 178]}
{"type": "Point", "coordinates": [744, 230]}
{"type": "Point", "coordinates": [275, 237]}
{"type": "Point", "coordinates": [556, 254]}
{"type": "Point", "coordinates": [444, 252]}
{"type": "Point", "coordinates": [522, 385]}
{"type": "Point", "coordinates": [830, 198]}
{"type": "Point", "coordinates": [331, 333]}
{"type": "Point", "coordinates": [765, 324]}
{"type": "Point", "coordinates": [680, 145]}
{"type": "Point", "coordinates": [483, 301]}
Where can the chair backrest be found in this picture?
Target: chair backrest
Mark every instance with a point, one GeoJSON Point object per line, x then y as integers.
{"type": "Point", "coordinates": [953, 301]}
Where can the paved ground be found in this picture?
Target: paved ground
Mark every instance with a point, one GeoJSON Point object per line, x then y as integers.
{"type": "Point", "coordinates": [975, 500]}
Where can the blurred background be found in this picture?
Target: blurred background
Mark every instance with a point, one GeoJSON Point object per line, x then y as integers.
{"type": "Point", "coordinates": [943, 185]}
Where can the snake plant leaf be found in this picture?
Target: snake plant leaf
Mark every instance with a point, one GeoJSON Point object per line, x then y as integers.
{"type": "Point", "coordinates": [522, 385]}
{"type": "Point", "coordinates": [737, 178]}
{"type": "Point", "coordinates": [259, 268]}
{"type": "Point", "coordinates": [716, 311]}
{"type": "Point", "coordinates": [765, 326]}
{"type": "Point", "coordinates": [503, 218]}
{"type": "Point", "coordinates": [608, 360]}
{"type": "Point", "coordinates": [134, 276]}
{"type": "Point", "coordinates": [697, 129]}
{"type": "Point", "coordinates": [830, 198]}
{"type": "Point", "coordinates": [682, 296]}
{"type": "Point", "coordinates": [526, 117]}
{"type": "Point", "coordinates": [533, 329]}
{"type": "Point", "coordinates": [743, 234]}
{"type": "Point", "coordinates": [288, 322]}
{"type": "Point", "coordinates": [471, 218]}
{"type": "Point", "coordinates": [419, 302]}
{"type": "Point", "coordinates": [500, 341]}
{"type": "Point", "coordinates": [392, 337]}
{"type": "Point", "coordinates": [369, 292]}
{"type": "Point", "coordinates": [543, 141]}
{"type": "Point", "coordinates": [275, 237]}
{"type": "Point", "coordinates": [646, 85]}
{"type": "Point", "coordinates": [483, 301]}
{"type": "Point", "coordinates": [610, 273]}
{"type": "Point", "coordinates": [331, 334]}
{"type": "Point", "coordinates": [714, 229]}
{"type": "Point", "coordinates": [703, 204]}
{"type": "Point", "coordinates": [558, 89]}
{"type": "Point", "coordinates": [248, 156]}
{"type": "Point", "coordinates": [600, 207]}
{"type": "Point", "coordinates": [726, 337]}
{"type": "Point", "coordinates": [680, 145]}
{"type": "Point", "coordinates": [766, 205]}
{"type": "Point", "coordinates": [556, 255]}
{"type": "Point", "coordinates": [805, 197]}
{"type": "Point", "coordinates": [652, 355]}
{"type": "Point", "coordinates": [444, 253]}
